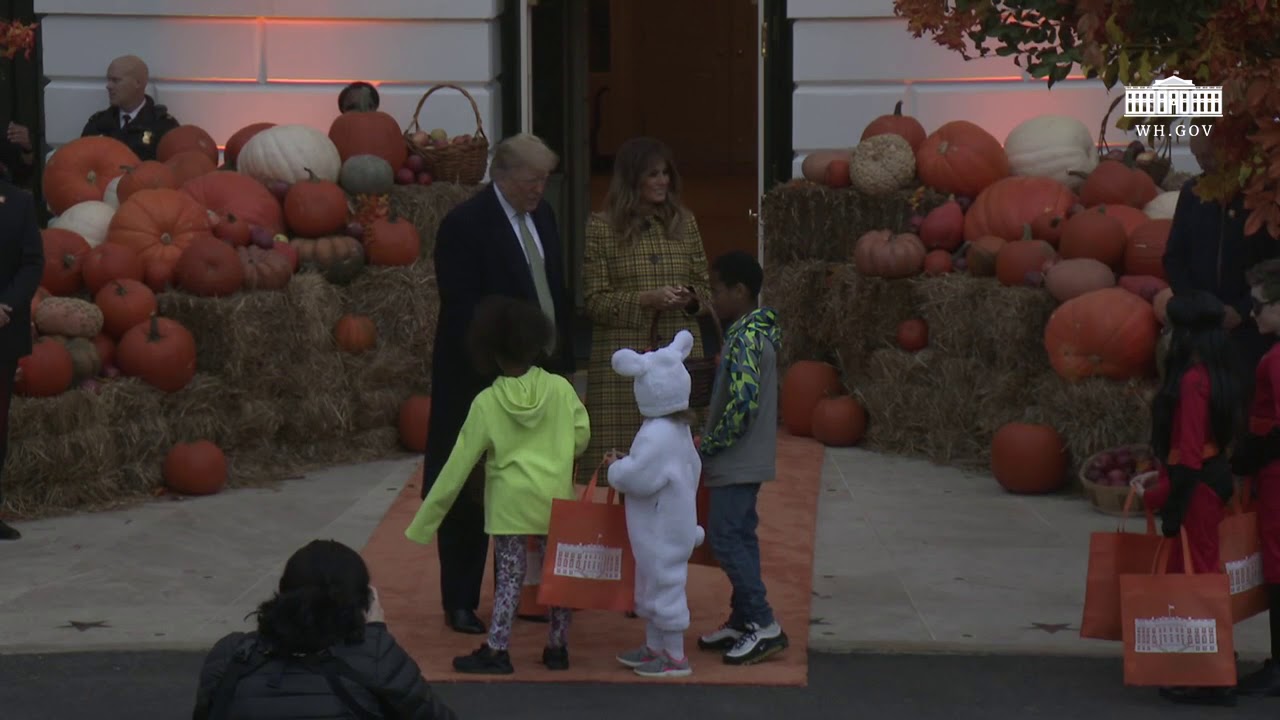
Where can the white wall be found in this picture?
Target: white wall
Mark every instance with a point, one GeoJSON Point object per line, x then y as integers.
{"type": "Point", "coordinates": [853, 60]}
{"type": "Point", "coordinates": [223, 64]}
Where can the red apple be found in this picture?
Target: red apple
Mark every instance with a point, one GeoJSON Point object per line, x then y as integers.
{"type": "Point", "coordinates": [404, 176]}
{"type": "Point", "coordinates": [424, 178]}
{"type": "Point", "coordinates": [1118, 477]}
{"type": "Point", "coordinates": [415, 163]}
{"type": "Point", "coordinates": [462, 140]}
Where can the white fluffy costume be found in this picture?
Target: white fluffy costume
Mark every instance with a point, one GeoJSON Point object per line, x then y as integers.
{"type": "Point", "coordinates": [660, 480]}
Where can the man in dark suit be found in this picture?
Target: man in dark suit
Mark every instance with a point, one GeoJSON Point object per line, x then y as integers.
{"type": "Point", "coordinates": [21, 266]}
{"type": "Point", "coordinates": [133, 117]}
{"type": "Point", "coordinates": [502, 241]}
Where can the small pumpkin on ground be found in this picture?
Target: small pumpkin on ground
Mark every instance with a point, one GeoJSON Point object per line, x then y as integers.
{"type": "Point", "coordinates": [881, 253]}
{"type": "Point", "coordinates": [1107, 333]}
{"type": "Point", "coordinates": [355, 333]}
{"type": "Point", "coordinates": [46, 372]}
{"type": "Point", "coordinates": [110, 261]}
{"type": "Point", "coordinates": [881, 165]}
{"type": "Point", "coordinates": [209, 268]}
{"type": "Point", "coordinates": [159, 351]}
{"type": "Point", "coordinates": [1068, 279]}
{"type": "Point", "coordinates": [197, 468]}
{"type": "Point", "coordinates": [961, 158]}
{"type": "Point", "coordinates": [904, 126]}
{"type": "Point", "coordinates": [315, 207]}
{"type": "Point", "coordinates": [124, 304]}
{"type": "Point", "coordinates": [805, 384]}
{"type": "Point", "coordinates": [839, 421]}
{"type": "Point", "coordinates": [72, 317]}
{"type": "Point", "coordinates": [265, 269]}
{"type": "Point", "coordinates": [415, 421]}
{"type": "Point", "coordinates": [64, 253]}
{"type": "Point", "coordinates": [1029, 459]}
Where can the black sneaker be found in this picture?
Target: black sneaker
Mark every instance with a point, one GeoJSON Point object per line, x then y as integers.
{"type": "Point", "coordinates": [556, 658]}
{"type": "Point", "coordinates": [1263, 682]}
{"type": "Point", "coordinates": [8, 532]}
{"type": "Point", "coordinates": [1215, 696]}
{"type": "Point", "coordinates": [757, 644]}
{"type": "Point", "coordinates": [722, 638]}
{"type": "Point", "coordinates": [485, 661]}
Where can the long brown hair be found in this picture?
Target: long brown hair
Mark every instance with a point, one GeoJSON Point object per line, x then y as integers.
{"type": "Point", "coordinates": [623, 207]}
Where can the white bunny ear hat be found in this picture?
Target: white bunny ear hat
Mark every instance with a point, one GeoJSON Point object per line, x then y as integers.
{"type": "Point", "coordinates": [661, 380]}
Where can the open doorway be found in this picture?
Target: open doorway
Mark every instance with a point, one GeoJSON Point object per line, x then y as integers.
{"type": "Point", "coordinates": [685, 73]}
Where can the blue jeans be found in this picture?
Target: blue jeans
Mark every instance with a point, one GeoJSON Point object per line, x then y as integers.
{"type": "Point", "coordinates": [732, 519]}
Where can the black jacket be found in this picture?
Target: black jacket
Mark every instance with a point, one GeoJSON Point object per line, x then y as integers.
{"type": "Point", "coordinates": [21, 267]}
{"type": "Point", "coordinates": [13, 166]}
{"type": "Point", "coordinates": [144, 132]}
{"type": "Point", "coordinates": [285, 689]}
{"type": "Point", "coordinates": [477, 254]}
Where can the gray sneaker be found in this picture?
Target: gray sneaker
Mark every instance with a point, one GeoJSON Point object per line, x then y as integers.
{"type": "Point", "coordinates": [637, 657]}
{"type": "Point", "coordinates": [663, 666]}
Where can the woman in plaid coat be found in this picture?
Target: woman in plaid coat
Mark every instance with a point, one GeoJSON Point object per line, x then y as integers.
{"type": "Point", "coordinates": [643, 256]}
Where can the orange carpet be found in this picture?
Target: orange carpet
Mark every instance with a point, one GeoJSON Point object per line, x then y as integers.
{"type": "Point", "coordinates": [407, 577]}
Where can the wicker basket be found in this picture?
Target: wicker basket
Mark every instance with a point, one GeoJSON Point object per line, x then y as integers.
{"type": "Point", "coordinates": [462, 163]}
{"type": "Point", "coordinates": [1110, 499]}
{"type": "Point", "coordinates": [702, 371]}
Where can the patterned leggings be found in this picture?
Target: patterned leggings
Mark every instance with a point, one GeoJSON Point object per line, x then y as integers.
{"type": "Point", "coordinates": [512, 560]}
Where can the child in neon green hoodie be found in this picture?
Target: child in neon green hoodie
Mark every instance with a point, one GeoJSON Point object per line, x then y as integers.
{"type": "Point", "coordinates": [532, 425]}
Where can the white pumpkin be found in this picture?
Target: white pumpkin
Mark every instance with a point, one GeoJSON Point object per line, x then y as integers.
{"type": "Point", "coordinates": [1162, 207]}
{"type": "Point", "coordinates": [1052, 146]}
{"type": "Point", "coordinates": [286, 152]}
{"type": "Point", "coordinates": [89, 219]}
{"type": "Point", "coordinates": [111, 195]}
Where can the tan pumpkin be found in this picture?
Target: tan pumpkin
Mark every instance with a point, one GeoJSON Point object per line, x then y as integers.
{"type": "Point", "coordinates": [338, 257]}
{"type": "Point", "coordinates": [814, 165]}
{"type": "Point", "coordinates": [71, 317]}
{"type": "Point", "coordinates": [881, 165]}
{"type": "Point", "coordinates": [1068, 279]}
{"type": "Point", "coordinates": [264, 269]}
{"type": "Point", "coordinates": [880, 253]}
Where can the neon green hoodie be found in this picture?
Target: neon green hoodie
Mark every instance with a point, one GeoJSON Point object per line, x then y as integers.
{"type": "Point", "coordinates": [532, 428]}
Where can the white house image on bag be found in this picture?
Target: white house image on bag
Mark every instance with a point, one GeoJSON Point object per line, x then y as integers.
{"type": "Point", "coordinates": [1171, 634]}
{"type": "Point", "coordinates": [1245, 574]}
{"type": "Point", "coordinates": [590, 562]}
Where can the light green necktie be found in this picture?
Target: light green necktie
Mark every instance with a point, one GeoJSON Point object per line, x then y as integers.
{"type": "Point", "coordinates": [539, 270]}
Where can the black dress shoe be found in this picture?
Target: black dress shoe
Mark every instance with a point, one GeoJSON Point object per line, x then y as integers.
{"type": "Point", "coordinates": [464, 621]}
{"type": "Point", "coordinates": [1264, 682]}
{"type": "Point", "coordinates": [535, 618]}
{"type": "Point", "coordinates": [556, 658]}
{"type": "Point", "coordinates": [8, 532]}
{"type": "Point", "coordinates": [485, 661]}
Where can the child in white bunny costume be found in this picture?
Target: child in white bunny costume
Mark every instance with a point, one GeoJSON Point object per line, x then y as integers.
{"type": "Point", "coordinates": [660, 481]}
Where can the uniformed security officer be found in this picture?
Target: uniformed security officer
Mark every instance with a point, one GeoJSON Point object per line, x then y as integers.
{"type": "Point", "coordinates": [134, 118]}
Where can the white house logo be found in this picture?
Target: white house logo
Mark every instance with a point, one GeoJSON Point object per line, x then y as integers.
{"type": "Point", "coordinates": [1172, 634]}
{"type": "Point", "coordinates": [589, 562]}
{"type": "Point", "coordinates": [1173, 97]}
{"type": "Point", "coordinates": [1245, 574]}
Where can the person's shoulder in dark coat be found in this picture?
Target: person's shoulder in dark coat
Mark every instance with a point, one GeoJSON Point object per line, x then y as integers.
{"type": "Point", "coordinates": [286, 690]}
{"type": "Point", "coordinates": [143, 134]}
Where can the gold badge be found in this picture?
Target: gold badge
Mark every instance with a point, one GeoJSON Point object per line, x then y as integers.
{"type": "Point", "coordinates": [146, 137]}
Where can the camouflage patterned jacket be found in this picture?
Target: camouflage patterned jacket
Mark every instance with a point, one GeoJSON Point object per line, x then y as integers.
{"type": "Point", "coordinates": [739, 445]}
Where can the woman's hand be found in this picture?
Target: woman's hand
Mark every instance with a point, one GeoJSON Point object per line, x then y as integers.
{"type": "Point", "coordinates": [663, 298]}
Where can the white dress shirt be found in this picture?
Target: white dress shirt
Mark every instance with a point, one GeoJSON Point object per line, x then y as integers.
{"type": "Point", "coordinates": [127, 116]}
{"type": "Point", "coordinates": [514, 217]}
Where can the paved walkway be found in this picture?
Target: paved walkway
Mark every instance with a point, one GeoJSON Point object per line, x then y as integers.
{"type": "Point", "coordinates": [910, 557]}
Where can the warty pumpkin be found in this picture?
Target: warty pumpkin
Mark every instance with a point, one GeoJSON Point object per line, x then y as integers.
{"type": "Point", "coordinates": [124, 304]}
{"type": "Point", "coordinates": [265, 269]}
{"type": "Point", "coordinates": [839, 421]}
{"type": "Point", "coordinates": [904, 126]}
{"type": "Point", "coordinates": [1029, 459]}
{"type": "Point", "coordinates": [1144, 250]}
{"type": "Point", "coordinates": [81, 170]}
{"type": "Point", "coordinates": [196, 468]}
{"type": "Point", "coordinates": [881, 165]}
{"type": "Point", "coordinates": [881, 253]}
{"type": "Point", "coordinates": [1006, 207]}
{"type": "Point", "coordinates": [1107, 333]}
{"type": "Point", "coordinates": [209, 268]}
{"type": "Point", "coordinates": [961, 158]}
{"type": "Point", "coordinates": [804, 384]}
{"type": "Point", "coordinates": [158, 225]}
{"type": "Point", "coordinates": [160, 351]}
{"type": "Point", "coordinates": [71, 317]}
{"type": "Point", "coordinates": [64, 253]}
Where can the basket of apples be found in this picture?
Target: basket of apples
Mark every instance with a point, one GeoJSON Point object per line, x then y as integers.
{"type": "Point", "coordinates": [462, 159]}
{"type": "Point", "coordinates": [1105, 477]}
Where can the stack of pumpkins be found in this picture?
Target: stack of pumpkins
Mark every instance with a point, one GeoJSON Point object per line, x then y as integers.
{"type": "Point", "coordinates": [125, 230]}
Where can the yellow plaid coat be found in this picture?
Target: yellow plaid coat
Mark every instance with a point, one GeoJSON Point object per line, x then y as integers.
{"type": "Point", "coordinates": [613, 276]}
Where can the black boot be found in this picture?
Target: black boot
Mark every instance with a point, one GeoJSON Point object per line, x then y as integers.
{"type": "Point", "coordinates": [485, 661]}
{"type": "Point", "coordinates": [8, 532]}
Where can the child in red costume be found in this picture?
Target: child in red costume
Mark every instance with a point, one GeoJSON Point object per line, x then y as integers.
{"type": "Point", "coordinates": [1194, 415]}
{"type": "Point", "coordinates": [1259, 456]}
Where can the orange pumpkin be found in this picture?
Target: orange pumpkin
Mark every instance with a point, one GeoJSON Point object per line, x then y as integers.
{"type": "Point", "coordinates": [937, 262]}
{"type": "Point", "coordinates": [1114, 183]}
{"type": "Point", "coordinates": [149, 175]}
{"type": "Point", "coordinates": [190, 164]}
{"type": "Point", "coordinates": [209, 268]}
{"type": "Point", "coordinates": [187, 138]}
{"type": "Point", "coordinates": [415, 421]}
{"type": "Point", "coordinates": [314, 208]}
{"type": "Point", "coordinates": [237, 141]}
{"type": "Point", "coordinates": [837, 175]}
{"type": "Point", "coordinates": [355, 333]}
{"type": "Point", "coordinates": [982, 254]}
{"type": "Point", "coordinates": [1094, 235]}
{"type": "Point", "coordinates": [106, 349]}
{"type": "Point", "coordinates": [1029, 459]}
{"type": "Point", "coordinates": [158, 225]}
{"type": "Point", "coordinates": [46, 372]}
{"type": "Point", "coordinates": [961, 158]}
{"type": "Point", "coordinates": [124, 304]}
{"type": "Point", "coordinates": [1009, 205]}
{"type": "Point", "coordinates": [197, 468]}
{"type": "Point", "coordinates": [111, 261]}
{"type": "Point", "coordinates": [265, 269]}
{"type": "Point", "coordinates": [392, 241]}
{"type": "Point", "coordinates": [1022, 261]}
{"type": "Point", "coordinates": [1144, 251]}
{"type": "Point", "coordinates": [1130, 218]}
{"type": "Point", "coordinates": [1107, 333]}
{"type": "Point", "coordinates": [1048, 227]}
{"type": "Point", "coordinates": [64, 253]}
{"type": "Point", "coordinates": [880, 253]}
{"type": "Point", "coordinates": [370, 132]}
{"type": "Point", "coordinates": [230, 193]}
{"type": "Point", "coordinates": [81, 170]}
{"type": "Point", "coordinates": [943, 227]}
{"type": "Point", "coordinates": [839, 421]}
{"type": "Point", "coordinates": [913, 335]}
{"type": "Point", "coordinates": [904, 126]}
{"type": "Point", "coordinates": [160, 352]}
{"type": "Point", "coordinates": [806, 383]}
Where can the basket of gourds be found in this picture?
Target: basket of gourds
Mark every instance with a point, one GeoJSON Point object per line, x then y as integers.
{"type": "Point", "coordinates": [462, 159]}
{"type": "Point", "coordinates": [1106, 475]}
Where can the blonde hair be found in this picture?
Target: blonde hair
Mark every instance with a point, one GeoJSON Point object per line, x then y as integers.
{"type": "Point", "coordinates": [623, 206]}
{"type": "Point", "coordinates": [522, 151]}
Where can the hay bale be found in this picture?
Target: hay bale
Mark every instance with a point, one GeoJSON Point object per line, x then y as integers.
{"type": "Point", "coordinates": [426, 205]}
{"type": "Point", "coordinates": [1094, 414]}
{"type": "Point", "coordinates": [862, 315]}
{"type": "Point", "coordinates": [403, 303]}
{"type": "Point", "coordinates": [807, 221]}
{"type": "Point", "coordinates": [980, 318]}
{"type": "Point", "coordinates": [61, 454]}
{"type": "Point", "coordinates": [380, 381]}
{"type": "Point", "coordinates": [799, 292]}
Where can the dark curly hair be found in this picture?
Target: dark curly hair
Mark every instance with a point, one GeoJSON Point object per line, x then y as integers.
{"type": "Point", "coordinates": [508, 332]}
{"type": "Point", "coordinates": [321, 602]}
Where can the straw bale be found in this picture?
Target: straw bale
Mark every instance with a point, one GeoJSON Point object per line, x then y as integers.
{"type": "Point", "coordinates": [1094, 414]}
{"type": "Point", "coordinates": [61, 453]}
{"type": "Point", "coordinates": [862, 315]}
{"type": "Point", "coordinates": [980, 318]}
{"type": "Point", "coordinates": [807, 221]}
{"type": "Point", "coordinates": [403, 303]}
{"type": "Point", "coordinates": [426, 205]}
{"type": "Point", "coordinates": [799, 291]}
